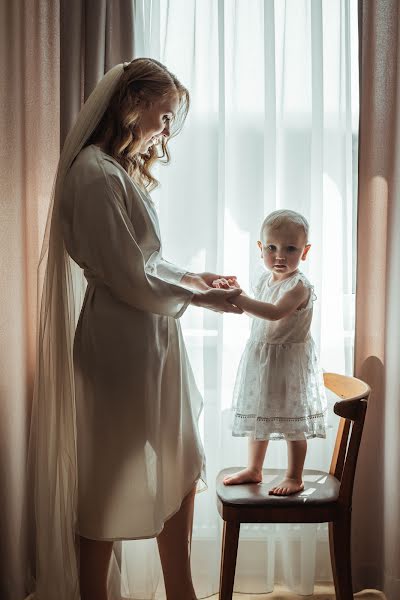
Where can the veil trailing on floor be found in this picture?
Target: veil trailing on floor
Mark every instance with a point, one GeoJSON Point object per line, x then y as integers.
{"type": "Point", "coordinates": [52, 461]}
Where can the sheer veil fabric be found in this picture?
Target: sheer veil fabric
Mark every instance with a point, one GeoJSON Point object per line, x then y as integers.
{"type": "Point", "coordinates": [52, 445]}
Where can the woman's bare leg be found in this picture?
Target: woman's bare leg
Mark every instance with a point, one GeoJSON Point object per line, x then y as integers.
{"type": "Point", "coordinates": [293, 481]}
{"type": "Point", "coordinates": [253, 472]}
{"type": "Point", "coordinates": [174, 545]}
{"type": "Point", "coordinates": [94, 562]}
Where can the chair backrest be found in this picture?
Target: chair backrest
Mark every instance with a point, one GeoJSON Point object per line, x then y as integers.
{"type": "Point", "coordinates": [351, 409]}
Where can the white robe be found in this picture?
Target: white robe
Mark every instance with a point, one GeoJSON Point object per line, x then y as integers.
{"type": "Point", "coordinates": [138, 445]}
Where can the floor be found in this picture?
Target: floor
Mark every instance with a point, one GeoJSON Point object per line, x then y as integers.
{"type": "Point", "coordinates": [321, 592]}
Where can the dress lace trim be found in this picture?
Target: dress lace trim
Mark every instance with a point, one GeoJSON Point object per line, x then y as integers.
{"type": "Point", "coordinates": [319, 415]}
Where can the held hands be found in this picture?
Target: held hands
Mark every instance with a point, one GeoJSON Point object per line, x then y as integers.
{"type": "Point", "coordinates": [205, 281]}
{"type": "Point", "coordinates": [214, 297]}
{"type": "Point", "coordinates": [226, 283]}
{"type": "Point", "coordinates": [229, 283]}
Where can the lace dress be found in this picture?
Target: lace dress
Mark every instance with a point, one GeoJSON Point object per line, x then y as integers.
{"type": "Point", "coordinates": [279, 391]}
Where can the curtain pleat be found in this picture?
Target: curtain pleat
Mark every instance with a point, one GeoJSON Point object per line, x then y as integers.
{"type": "Point", "coordinates": [71, 96]}
{"type": "Point", "coordinates": [95, 35]}
{"type": "Point", "coordinates": [376, 547]}
{"type": "Point", "coordinates": [29, 116]}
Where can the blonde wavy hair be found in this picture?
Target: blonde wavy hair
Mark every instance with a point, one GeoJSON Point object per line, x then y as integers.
{"type": "Point", "coordinates": [143, 81]}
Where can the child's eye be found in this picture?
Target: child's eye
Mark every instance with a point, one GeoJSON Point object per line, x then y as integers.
{"type": "Point", "coordinates": [292, 248]}
{"type": "Point", "coordinates": [271, 248]}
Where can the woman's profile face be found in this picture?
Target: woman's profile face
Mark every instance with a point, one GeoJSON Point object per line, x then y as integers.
{"type": "Point", "coordinates": [155, 121]}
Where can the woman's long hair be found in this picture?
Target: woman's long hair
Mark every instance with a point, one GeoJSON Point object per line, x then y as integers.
{"type": "Point", "coordinates": [52, 459]}
{"type": "Point", "coordinates": [143, 82]}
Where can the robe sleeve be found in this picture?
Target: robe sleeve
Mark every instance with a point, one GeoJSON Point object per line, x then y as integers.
{"type": "Point", "coordinates": [169, 271]}
{"type": "Point", "coordinates": [100, 237]}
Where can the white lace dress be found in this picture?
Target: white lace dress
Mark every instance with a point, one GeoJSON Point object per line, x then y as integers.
{"type": "Point", "coordinates": [279, 391]}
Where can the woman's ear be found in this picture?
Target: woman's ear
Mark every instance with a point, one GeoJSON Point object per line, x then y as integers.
{"type": "Point", "coordinates": [305, 252]}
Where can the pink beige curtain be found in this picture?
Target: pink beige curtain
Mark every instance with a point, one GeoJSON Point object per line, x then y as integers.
{"type": "Point", "coordinates": [51, 56]}
{"type": "Point", "coordinates": [376, 533]}
{"type": "Point", "coordinates": [95, 35]}
{"type": "Point", "coordinates": [29, 133]}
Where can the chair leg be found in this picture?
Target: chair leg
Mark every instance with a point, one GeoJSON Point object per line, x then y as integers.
{"type": "Point", "coordinates": [230, 542]}
{"type": "Point", "coordinates": [340, 550]}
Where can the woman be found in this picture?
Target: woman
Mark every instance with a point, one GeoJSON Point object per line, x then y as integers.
{"type": "Point", "coordinates": [138, 453]}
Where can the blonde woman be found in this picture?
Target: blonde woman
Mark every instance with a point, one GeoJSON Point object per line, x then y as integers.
{"type": "Point", "coordinates": [121, 416]}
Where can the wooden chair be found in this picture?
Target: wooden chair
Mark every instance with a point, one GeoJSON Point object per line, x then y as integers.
{"type": "Point", "coordinates": [329, 498]}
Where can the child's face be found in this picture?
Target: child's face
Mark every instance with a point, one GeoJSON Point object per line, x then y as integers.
{"type": "Point", "coordinates": [282, 249]}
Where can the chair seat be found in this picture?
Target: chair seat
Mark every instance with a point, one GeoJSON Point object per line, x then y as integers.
{"type": "Point", "coordinates": [320, 488]}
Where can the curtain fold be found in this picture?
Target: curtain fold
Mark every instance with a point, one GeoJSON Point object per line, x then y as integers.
{"type": "Point", "coordinates": [29, 115]}
{"type": "Point", "coordinates": [95, 35]}
{"type": "Point", "coordinates": [376, 548]}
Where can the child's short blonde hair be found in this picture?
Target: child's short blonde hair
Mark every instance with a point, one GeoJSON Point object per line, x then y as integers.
{"type": "Point", "coordinates": [279, 218]}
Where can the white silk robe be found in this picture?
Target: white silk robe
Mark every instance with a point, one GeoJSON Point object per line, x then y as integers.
{"type": "Point", "coordinates": [138, 445]}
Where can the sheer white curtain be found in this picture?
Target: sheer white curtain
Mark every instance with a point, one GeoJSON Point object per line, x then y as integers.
{"type": "Point", "coordinates": [273, 123]}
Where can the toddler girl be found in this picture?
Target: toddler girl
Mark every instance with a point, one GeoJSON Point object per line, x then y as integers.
{"type": "Point", "coordinates": [279, 391]}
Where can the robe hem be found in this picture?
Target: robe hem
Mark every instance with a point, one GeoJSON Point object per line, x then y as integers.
{"type": "Point", "coordinates": [157, 533]}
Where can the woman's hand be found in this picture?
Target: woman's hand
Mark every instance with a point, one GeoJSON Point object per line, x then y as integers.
{"type": "Point", "coordinates": [205, 281]}
{"type": "Point", "coordinates": [218, 300]}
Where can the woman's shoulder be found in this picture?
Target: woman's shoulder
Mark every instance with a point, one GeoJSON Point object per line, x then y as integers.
{"type": "Point", "coordinates": [92, 163]}
{"type": "Point", "coordinates": [92, 170]}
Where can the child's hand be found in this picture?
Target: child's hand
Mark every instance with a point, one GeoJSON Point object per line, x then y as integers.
{"type": "Point", "coordinates": [226, 283]}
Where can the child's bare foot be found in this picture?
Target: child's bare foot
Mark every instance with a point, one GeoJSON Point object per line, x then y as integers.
{"type": "Point", "coordinates": [245, 476]}
{"type": "Point", "coordinates": [287, 487]}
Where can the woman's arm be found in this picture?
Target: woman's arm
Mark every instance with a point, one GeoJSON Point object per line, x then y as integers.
{"type": "Point", "coordinates": [100, 237]}
{"type": "Point", "coordinates": [169, 271]}
{"type": "Point", "coordinates": [201, 282]}
{"type": "Point", "coordinates": [287, 305]}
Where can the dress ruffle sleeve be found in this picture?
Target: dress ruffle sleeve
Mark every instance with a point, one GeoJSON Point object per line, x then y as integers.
{"type": "Point", "coordinates": [293, 281]}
